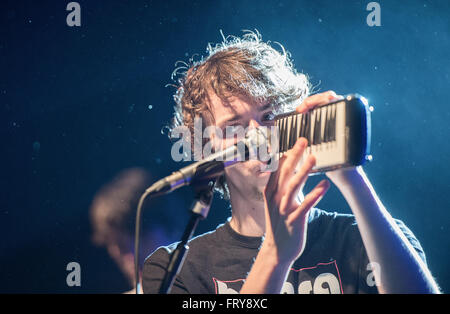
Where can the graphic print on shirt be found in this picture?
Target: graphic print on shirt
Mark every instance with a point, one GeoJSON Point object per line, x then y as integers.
{"type": "Point", "coordinates": [324, 278]}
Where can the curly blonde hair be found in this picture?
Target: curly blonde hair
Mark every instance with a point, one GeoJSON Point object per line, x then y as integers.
{"type": "Point", "coordinates": [244, 66]}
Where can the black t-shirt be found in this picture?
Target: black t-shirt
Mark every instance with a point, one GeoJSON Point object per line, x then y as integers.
{"type": "Point", "coordinates": [334, 260]}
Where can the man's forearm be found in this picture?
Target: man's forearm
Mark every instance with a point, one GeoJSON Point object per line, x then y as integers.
{"type": "Point", "coordinates": [401, 270]}
{"type": "Point", "coordinates": [267, 275]}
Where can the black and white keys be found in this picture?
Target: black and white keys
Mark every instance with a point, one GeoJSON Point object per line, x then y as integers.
{"type": "Point", "coordinates": [338, 133]}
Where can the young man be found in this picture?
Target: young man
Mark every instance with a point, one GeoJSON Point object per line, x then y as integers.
{"type": "Point", "coordinates": [273, 244]}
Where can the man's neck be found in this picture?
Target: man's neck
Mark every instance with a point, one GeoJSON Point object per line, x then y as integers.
{"type": "Point", "coordinates": [248, 216]}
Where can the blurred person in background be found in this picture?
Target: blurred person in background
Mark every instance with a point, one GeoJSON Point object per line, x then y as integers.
{"type": "Point", "coordinates": [113, 216]}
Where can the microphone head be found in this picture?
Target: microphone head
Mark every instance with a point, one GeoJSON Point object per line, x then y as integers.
{"type": "Point", "coordinates": [256, 137]}
{"type": "Point", "coordinates": [256, 140]}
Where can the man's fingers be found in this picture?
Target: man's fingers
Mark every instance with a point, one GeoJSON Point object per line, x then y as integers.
{"type": "Point", "coordinates": [317, 100]}
{"type": "Point", "coordinates": [293, 156]}
{"type": "Point", "coordinates": [299, 179]}
{"type": "Point", "coordinates": [286, 167]}
{"type": "Point", "coordinates": [312, 199]}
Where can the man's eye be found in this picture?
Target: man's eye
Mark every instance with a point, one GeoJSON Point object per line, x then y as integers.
{"type": "Point", "coordinates": [269, 116]}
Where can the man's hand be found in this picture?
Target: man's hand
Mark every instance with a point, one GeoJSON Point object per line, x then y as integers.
{"type": "Point", "coordinates": [316, 100]}
{"type": "Point", "coordinates": [286, 220]}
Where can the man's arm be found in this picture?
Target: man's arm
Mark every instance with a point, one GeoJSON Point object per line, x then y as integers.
{"type": "Point", "coordinates": [286, 222]}
{"type": "Point", "coordinates": [285, 219]}
{"type": "Point", "coordinates": [401, 270]}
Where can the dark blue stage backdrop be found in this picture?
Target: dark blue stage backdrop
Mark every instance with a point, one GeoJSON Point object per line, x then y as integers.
{"type": "Point", "coordinates": [81, 103]}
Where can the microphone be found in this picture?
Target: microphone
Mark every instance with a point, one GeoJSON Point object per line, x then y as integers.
{"type": "Point", "coordinates": [201, 173]}
{"type": "Point", "coordinates": [212, 166]}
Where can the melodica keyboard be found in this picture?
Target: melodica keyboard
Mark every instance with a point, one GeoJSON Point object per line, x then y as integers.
{"type": "Point", "coordinates": [338, 133]}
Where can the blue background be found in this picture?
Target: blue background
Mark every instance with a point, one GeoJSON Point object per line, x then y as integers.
{"type": "Point", "coordinates": [79, 104]}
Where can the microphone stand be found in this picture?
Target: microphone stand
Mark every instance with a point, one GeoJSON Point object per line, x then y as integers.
{"type": "Point", "coordinates": [199, 210]}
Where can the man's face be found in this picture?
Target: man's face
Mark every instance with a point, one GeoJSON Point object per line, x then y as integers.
{"type": "Point", "coordinates": [241, 112]}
